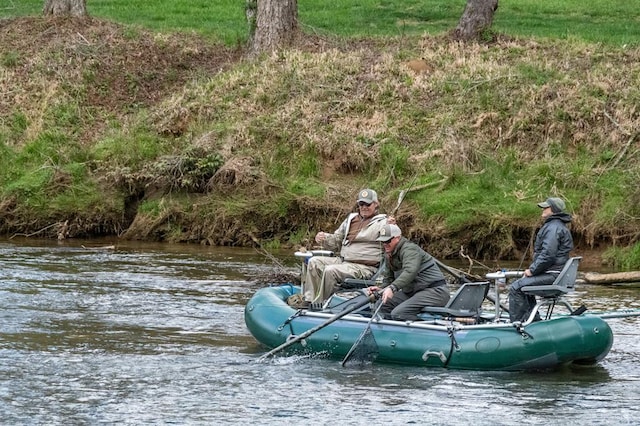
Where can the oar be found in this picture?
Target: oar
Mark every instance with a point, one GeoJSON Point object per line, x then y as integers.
{"type": "Point", "coordinates": [624, 313]}
{"type": "Point", "coordinates": [309, 332]}
{"type": "Point", "coordinates": [461, 275]}
{"type": "Point", "coordinates": [361, 337]}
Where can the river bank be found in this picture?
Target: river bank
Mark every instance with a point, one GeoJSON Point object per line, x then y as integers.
{"type": "Point", "coordinates": [109, 131]}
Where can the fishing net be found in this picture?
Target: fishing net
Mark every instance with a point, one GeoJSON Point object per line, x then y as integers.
{"type": "Point", "coordinates": [365, 349]}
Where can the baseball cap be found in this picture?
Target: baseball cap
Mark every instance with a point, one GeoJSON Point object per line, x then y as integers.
{"type": "Point", "coordinates": [368, 196]}
{"type": "Point", "coordinates": [388, 232]}
{"type": "Point", "coordinates": [556, 204]}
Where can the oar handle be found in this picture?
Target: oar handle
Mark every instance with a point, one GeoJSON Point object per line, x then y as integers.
{"type": "Point", "coordinates": [309, 332]}
{"type": "Point", "coordinates": [453, 271]}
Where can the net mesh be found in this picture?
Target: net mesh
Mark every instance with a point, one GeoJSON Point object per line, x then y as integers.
{"type": "Point", "coordinates": [364, 351]}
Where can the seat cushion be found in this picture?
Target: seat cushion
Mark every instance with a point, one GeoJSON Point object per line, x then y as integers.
{"type": "Point", "coordinates": [449, 312]}
{"type": "Point", "coordinates": [545, 290]}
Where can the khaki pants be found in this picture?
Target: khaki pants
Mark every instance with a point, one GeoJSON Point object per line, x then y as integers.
{"type": "Point", "coordinates": [323, 274]}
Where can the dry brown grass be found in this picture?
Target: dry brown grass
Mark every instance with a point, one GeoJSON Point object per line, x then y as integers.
{"type": "Point", "coordinates": [109, 70]}
{"type": "Point", "coordinates": [343, 103]}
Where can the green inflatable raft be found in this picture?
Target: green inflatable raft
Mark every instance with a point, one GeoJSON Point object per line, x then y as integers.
{"type": "Point", "coordinates": [484, 343]}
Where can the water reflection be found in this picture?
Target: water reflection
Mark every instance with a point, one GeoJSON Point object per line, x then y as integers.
{"type": "Point", "coordinates": [150, 333]}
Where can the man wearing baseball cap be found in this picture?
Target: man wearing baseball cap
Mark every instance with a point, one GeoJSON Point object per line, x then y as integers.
{"type": "Point", "coordinates": [411, 277]}
{"type": "Point", "coordinates": [550, 252]}
{"type": "Point", "coordinates": [555, 204]}
{"type": "Point", "coordinates": [360, 253]}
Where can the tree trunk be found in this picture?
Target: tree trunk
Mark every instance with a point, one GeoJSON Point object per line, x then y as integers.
{"type": "Point", "coordinates": [476, 20]}
{"type": "Point", "coordinates": [617, 277]}
{"type": "Point", "coordinates": [250, 11]}
{"type": "Point", "coordinates": [276, 24]}
{"type": "Point", "coordinates": [65, 8]}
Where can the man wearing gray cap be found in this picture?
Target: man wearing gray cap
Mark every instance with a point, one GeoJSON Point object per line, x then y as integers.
{"type": "Point", "coordinates": [360, 253]}
{"type": "Point", "coordinates": [550, 252]}
{"type": "Point", "coordinates": [411, 277]}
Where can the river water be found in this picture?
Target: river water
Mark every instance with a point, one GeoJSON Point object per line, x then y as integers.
{"type": "Point", "coordinates": [154, 334]}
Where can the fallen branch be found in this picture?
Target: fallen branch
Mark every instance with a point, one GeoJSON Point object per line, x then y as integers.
{"type": "Point", "coordinates": [35, 233]}
{"type": "Point", "coordinates": [281, 275]}
{"type": "Point", "coordinates": [471, 261]}
{"type": "Point", "coordinates": [613, 278]}
{"type": "Point", "coordinates": [112, 247]}
{"type": "Point", "coordinates": [427, 185]}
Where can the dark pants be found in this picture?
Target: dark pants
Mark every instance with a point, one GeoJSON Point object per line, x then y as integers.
{"type": "Point", "coordinates": [404, 307]}
{"type": "Point", "coordinates": [520, 304]}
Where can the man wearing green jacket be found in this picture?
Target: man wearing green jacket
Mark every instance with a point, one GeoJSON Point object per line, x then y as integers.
{"type": "Point", "coordinates": [411, 277]}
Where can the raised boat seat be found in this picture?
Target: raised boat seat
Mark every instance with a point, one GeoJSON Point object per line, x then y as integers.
{"type": "Point", "coordinates": [551, 295]}
{"type": "Point", "coordinates": [465, 303]}
{"type": "Point", "coordinates": [356, 283]}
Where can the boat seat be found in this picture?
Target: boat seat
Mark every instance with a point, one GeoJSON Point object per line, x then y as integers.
{"type": "Point", "coordinates": [357, 283]}
{"type": "Point", "coordinates": [553, 294]}
{"type": "Point", "coordinates": [465, 303]}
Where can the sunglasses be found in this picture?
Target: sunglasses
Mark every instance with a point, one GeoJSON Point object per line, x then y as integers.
{"type": "Point", "coordinates": [362, 204]}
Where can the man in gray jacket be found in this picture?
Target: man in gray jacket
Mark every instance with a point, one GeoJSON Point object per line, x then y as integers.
{"type": "Point", "coordinates": [550, 253]}
{"type": "Point", "coordinates": [411, 277]}
{"type": "Point", "coordinates": [360, 253]}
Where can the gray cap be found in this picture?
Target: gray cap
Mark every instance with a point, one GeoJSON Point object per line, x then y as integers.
{"type": "Point", "coordinates": [556, 204]}
{"type": "Point", "coordinates": [368, 196]}
{"type": "Point", "coordinates": [388, 232]}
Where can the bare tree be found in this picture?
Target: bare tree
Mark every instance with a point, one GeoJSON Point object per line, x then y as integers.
{"type": "Point", "coordinates": [65, 8]}
{"type": "Point", "coordinates": [476, 19]}
{"type": "Point", "coordinates": [276, 24]}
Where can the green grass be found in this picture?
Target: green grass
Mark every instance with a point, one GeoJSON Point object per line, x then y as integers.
{"type": "Point", "coordinates": [607, 21]}
{"type": "Point", "coordinates": [490, 131]}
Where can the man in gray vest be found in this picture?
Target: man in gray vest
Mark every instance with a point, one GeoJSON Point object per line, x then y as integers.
{"type": "Point", "coordinates": [359, 252]}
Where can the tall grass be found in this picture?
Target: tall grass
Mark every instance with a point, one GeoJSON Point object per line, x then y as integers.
{"type": "Point", "coordinates": [607, 21]}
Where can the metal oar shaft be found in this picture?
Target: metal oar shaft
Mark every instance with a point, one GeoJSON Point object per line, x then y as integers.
{"type": "Point", "coordinates": [318, 327]}
{"type": "Point", "coordinates": [618, 314]}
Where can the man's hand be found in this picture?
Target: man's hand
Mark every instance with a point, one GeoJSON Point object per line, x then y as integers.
{"type": "Point", "coordinates": [387, 294]}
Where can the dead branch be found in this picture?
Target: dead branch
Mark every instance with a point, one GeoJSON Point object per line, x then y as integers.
{"type": "Point", "coordinates": [35, 233]}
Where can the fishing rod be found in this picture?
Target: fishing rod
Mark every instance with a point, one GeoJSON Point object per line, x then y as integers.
{"type": "Point", "coordinates": [403, 193]}
{"type": "Point", "coordinates": [524, 255]}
